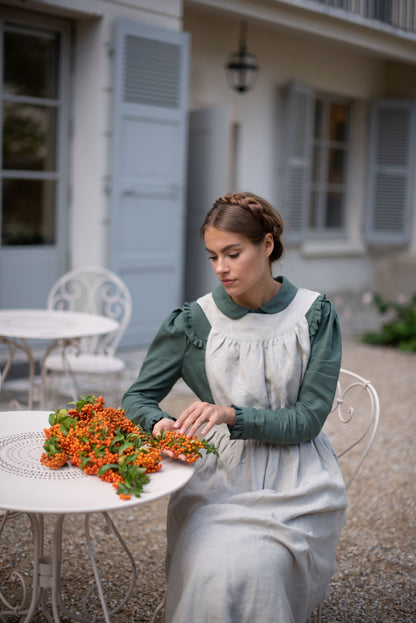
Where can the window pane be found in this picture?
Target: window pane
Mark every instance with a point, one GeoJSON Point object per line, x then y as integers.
{"type": "Point", "coordinates": [333, 216]}
{"type": "Point", "coordinates": [29, 137]}
{"type": "Point", "coordinates": [28, 215]}
{"type": "Point", "coordinates": [338, 118]}
{"type": "Point", "coordinates": [30, 64]}
{"type": "Point", "coordinates": [336, 158]}
{"type": "Point", "coordinates": [316, 159]}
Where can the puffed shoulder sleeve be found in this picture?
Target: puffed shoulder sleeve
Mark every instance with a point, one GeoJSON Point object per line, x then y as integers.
{"type": "Point", "coordinates": [159, 372]}
{"type": "Point", "coordinates": [304, 420]}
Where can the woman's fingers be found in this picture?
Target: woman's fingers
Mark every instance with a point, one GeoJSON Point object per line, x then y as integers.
{"type": "Point", "coordinates": [190, 412]}
{"type": "Point", "coordinates": [194, 416]}
{"type": "Point", "coordinates": [164, 424]}
{"type": "Point", "coordinates": [169, 453]}
{"type": "Point", "coordinates": [187, 414]}
{"type": "Point", "coordinates": [199, 413]}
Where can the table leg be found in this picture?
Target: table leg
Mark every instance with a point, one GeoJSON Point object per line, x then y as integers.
{"type": "Point", "coordinates": [63, 346]}
{"type": "Point", "coordinates": [111, 527]}
{"type": "Point", "coordinates": [47, 576]}
{"type": "Point", "coordinates": [19, 610]}
{"type": "Point", "coordinates": [57, 600]}
{"type": "Point", "coordinates": [12, 349]}
{"type": "Point", "coordinates": [12, 345]}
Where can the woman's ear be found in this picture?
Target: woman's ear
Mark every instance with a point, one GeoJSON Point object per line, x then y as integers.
{"type": "Point", "coordinates": [268, 243]}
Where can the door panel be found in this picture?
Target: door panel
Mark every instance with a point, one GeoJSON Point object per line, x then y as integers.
{"type": "Point", "coordinates": [150, 136]}
{"type": "Point", "coordinates": [26, 277]}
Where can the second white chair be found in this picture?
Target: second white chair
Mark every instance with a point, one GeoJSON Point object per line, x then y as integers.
{"type": "Point", "coordinates": [95, 290]}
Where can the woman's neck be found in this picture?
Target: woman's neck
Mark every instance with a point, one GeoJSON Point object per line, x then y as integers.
{"type": "Point", "coordinates": [259, 296]}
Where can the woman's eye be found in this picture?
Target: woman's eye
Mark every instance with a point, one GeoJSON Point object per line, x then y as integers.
{"type": "Point", "coordinates": [212, 257]}
{"type": "Point", "coordinates": [234, 255]}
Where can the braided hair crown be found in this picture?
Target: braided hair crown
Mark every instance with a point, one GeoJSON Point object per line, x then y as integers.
{"type": "Point", "coordinates": [249, 215]}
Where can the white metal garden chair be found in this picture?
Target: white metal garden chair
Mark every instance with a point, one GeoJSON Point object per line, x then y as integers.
{"type": "Point", "coordinates": [94, 290]}
{"type": "Point", "coordinates": [351, 426]}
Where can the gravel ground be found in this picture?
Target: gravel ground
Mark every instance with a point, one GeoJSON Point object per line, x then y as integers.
{"type": "Point", "coordinates": [376, 578]}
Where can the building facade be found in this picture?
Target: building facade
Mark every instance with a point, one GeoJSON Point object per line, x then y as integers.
{"type": "Point", "coordinates": [120, 129]}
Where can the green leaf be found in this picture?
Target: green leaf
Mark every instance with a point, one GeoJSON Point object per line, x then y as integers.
{"type": "Point", "coordinates": [123, 489]}
{"type": "Point", "coordinates": [83, 401]}
{"type": "Point", "coordinates": [104, 468]}
{"type": "Point", "coordinates": [126, 459]}
{"type": "Point", "coordinates": [118, 436]}
{"type": "Point", "coordinates": [64, 429]}
{"type": "Point", "coordinates": [209, 447]}
{"type": "Point", "coordinates": [103, 432]}
{"type": "Point", "coordinates": [124, 447]}
{"type": "Point", "coordinates": [85, 460]}
{"type": "Point", "coordinates": [51, 445]}
{"type": "Point", "coordinates": [99, 450]}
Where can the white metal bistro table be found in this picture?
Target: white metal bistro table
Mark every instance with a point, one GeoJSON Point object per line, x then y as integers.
{"type": "Point", "coordinates": [59, 328]}
{"type": "Point", "coordinates": [28, 487]}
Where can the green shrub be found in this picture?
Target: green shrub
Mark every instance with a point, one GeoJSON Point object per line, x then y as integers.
{"type": "Point", "coordinates": [399, 329]}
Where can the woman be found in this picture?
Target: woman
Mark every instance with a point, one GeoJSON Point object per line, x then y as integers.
{"type": "Point", "coordinates": [252, 537]}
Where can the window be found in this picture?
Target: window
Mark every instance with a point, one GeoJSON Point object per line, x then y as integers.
{"type": "Point", "coordinates": [29, 111]}
{"type": "Point", "coordinates": [317, 157]}
{"type": "Point", "coordinates": [314, 199]}
{"type": "Point", "coordinates": [329, 157]}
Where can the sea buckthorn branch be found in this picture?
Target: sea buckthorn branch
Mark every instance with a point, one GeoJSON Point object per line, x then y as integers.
{"type": "Point", "coordinates": [105, 443]}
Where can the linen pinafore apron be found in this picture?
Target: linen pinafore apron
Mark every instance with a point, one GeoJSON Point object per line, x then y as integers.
{"type": "Point", "coordinates": [252, 537]}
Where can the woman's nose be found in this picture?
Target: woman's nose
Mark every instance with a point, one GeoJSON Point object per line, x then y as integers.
{"type": "Point", "coordinates": [221, 266]}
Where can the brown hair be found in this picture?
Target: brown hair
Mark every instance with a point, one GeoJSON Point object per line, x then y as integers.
{"type": "Point", "coordinates": [248, 215]}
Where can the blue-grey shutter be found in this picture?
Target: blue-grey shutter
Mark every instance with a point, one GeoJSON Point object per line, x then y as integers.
{"type": "Point", "coordinates": [148, 171]}
{"type": "Point", "coordinates": [298, 144]}
{"type": "Point", "coordinates": [391, 172]}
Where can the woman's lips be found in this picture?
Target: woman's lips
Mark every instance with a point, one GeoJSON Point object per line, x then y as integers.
{"type": "Point", "coordinates": [227, 282]}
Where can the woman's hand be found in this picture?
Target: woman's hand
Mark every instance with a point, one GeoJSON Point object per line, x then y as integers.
{"type": "Point", "coordinates": [163, 424]}
{"type": "Point", "coordinates": [200, 412]}
{"type": "Point", "coordinates": [166, 424]}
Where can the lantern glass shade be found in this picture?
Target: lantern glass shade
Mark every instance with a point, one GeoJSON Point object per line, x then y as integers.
{"type": "Point", "coordinates": [242, 68]}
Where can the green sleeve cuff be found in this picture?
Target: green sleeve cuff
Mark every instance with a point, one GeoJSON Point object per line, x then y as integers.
{"type": "Point", "coordinates": [236, 430]}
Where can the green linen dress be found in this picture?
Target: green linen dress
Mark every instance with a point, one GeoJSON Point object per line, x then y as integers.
{"type": "Point", "coordinates": [252, 537]}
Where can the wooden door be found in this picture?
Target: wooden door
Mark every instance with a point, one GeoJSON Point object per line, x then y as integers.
{"type": "Point", "coordinates": [148, 186]}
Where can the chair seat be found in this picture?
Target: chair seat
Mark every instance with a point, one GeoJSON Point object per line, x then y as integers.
{"type": "Point", "coordinates": [86, 363]}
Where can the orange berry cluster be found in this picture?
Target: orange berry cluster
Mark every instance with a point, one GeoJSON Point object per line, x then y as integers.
{"type": "Point", "coordinates": [105, 443]}
{"type": "Point", "coordinates": [179, 444]}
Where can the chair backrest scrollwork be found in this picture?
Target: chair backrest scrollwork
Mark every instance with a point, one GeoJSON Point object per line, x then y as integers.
{"type": "Point", "coordinates": [356, 406]}
{"type": "Point", "coordinates": [95, 290]}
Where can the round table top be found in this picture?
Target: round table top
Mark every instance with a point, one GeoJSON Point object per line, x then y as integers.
{"type": "Point", "coordinates": [49, 324]}
{"type": "Point", "coordinates": [27, 486]}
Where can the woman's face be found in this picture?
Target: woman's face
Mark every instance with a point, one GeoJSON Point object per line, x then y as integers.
{"type": "Point", "coordinates": [242, 267]}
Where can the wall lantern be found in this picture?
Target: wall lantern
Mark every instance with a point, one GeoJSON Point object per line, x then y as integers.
{"type": "Point", "coordinates": [242, 67]}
